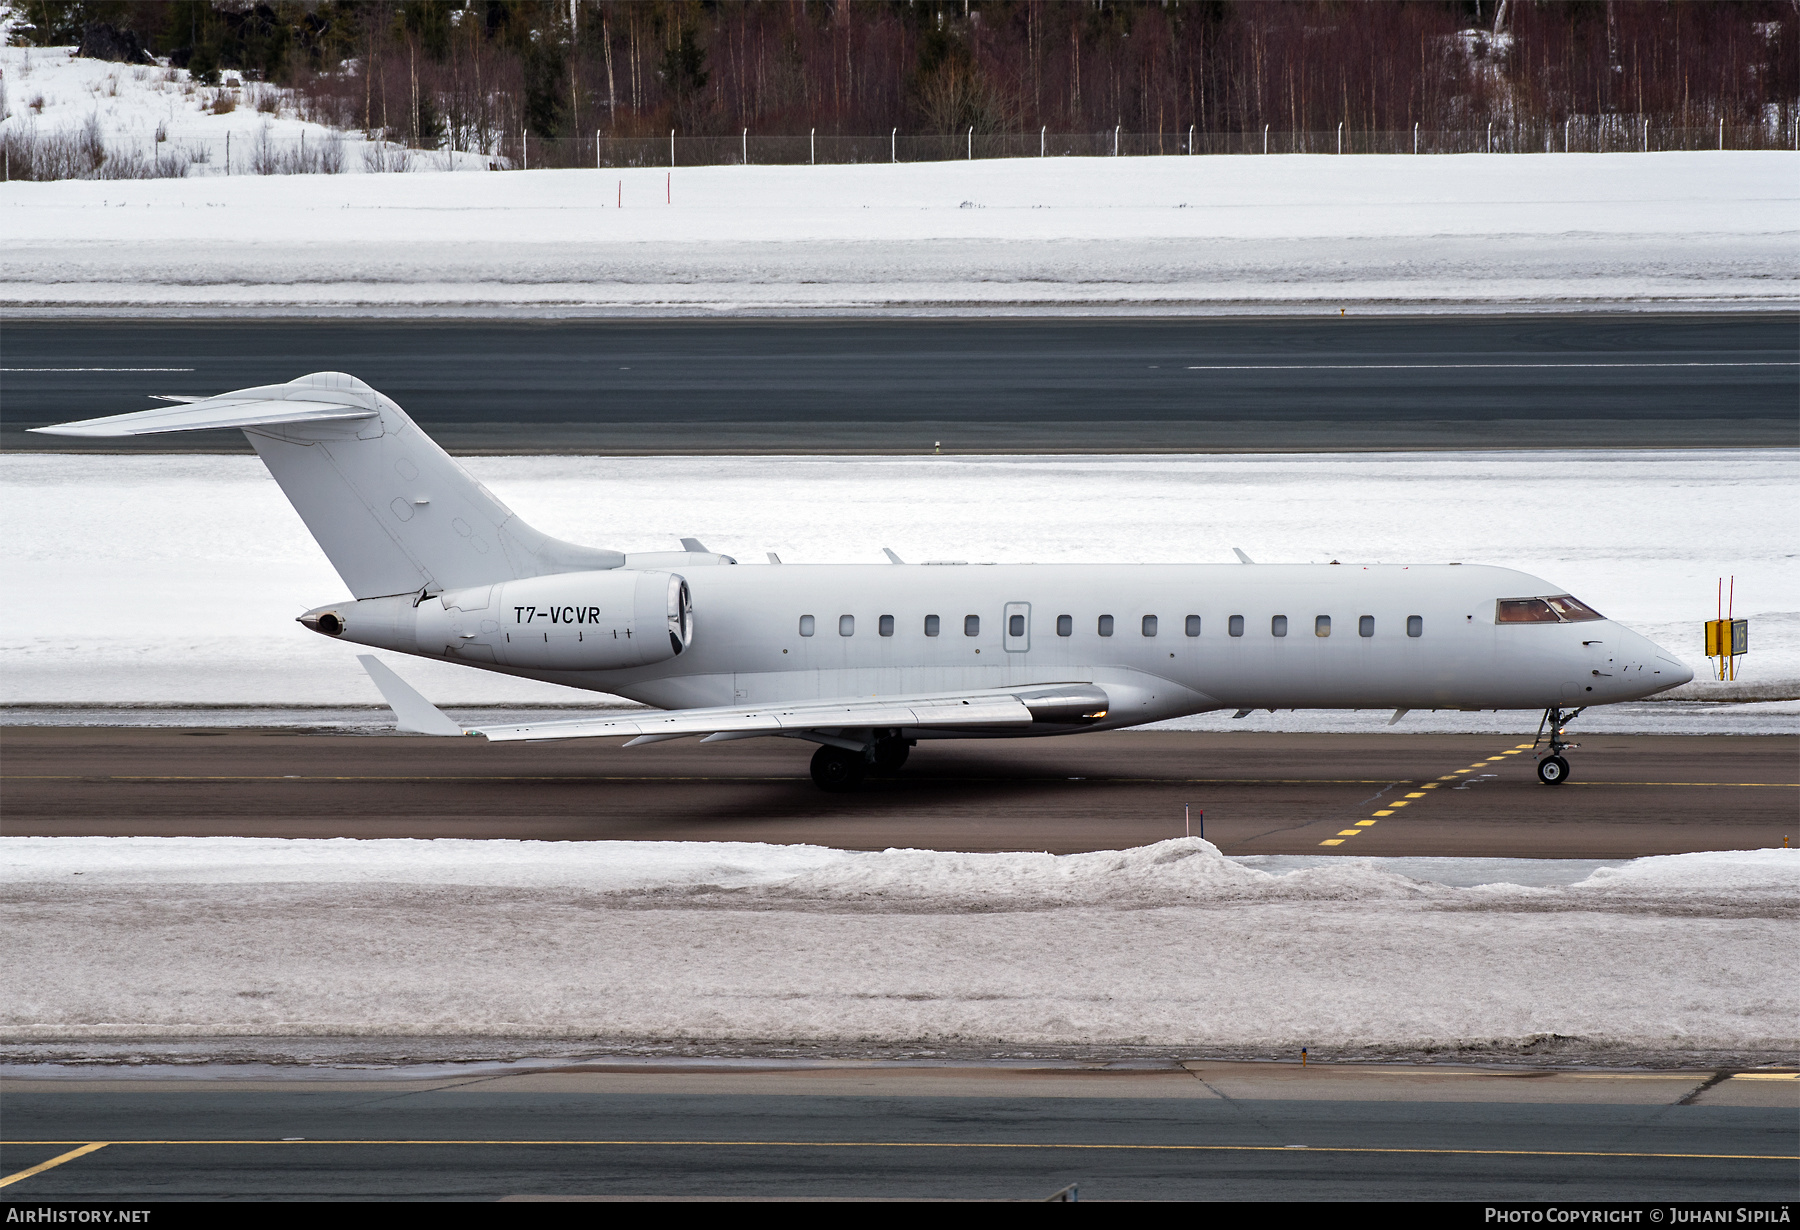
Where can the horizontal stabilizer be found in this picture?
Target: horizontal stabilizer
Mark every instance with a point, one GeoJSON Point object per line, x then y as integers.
{"type": "Point", "coordinates": [210, 415]}
{"type": "Point", "coordinates": [416, 714]}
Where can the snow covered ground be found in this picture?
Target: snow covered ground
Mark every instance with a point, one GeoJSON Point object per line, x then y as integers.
{"type": "Point", "coordinates": [172, 579]}
{"type": "Point", "coordinates": [1169, 945]}
{"type": "Point", "coordinates": [1089, 235]}
{"type": "Point", "coordinates": [1302, 232]}
{"type": "Point", "coordinates": [147, 112]}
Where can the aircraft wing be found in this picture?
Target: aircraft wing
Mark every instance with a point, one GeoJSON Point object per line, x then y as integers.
{"type": "Point", "coordinates": [1073, 702]}
{"type": "Point", "coordinates": [972, 710]}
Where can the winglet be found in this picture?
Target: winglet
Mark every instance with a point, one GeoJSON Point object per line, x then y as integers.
{"type": "Point", "coordinates": [415, 714]}
{"type": "Point", "coordinates": [892, 558]}
{"type": "Point", "coordinates": [694, 544]}
{"type": "Point", "coordinates": [1242, 558]}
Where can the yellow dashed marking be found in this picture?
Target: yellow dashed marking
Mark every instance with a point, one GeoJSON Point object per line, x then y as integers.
{"type": "Point", "coordinates": [1332, 841]}
{"type": "Point", "coordinates": [1499, 757]}
{"type": "Point", "coordinates": [1363, 824]}
{"type": "Point", "coordinates": [1415, 795]}
{"type": "Point", "coordinates": [1398, 803]}
{"type": "Point", "coordinates": [1348, 832]}
{"type": "Point", "coordinates": [1383, 813]}
{"type": "Point", "coordinates": [1452, 778]}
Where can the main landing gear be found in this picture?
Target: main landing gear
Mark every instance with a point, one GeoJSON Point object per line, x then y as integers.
{"type": "Point", "coordinates": [1553, 770]}
{"type": "Point", "coordinates": [838, 769]}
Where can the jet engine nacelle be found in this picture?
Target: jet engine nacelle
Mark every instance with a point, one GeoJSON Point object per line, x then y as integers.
{"type": "Point", "coordinates": [577, 621]}
{"type": "Point", "coordinates": [571, 621]}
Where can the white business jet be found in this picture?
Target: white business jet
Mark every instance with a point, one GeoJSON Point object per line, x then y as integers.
{"type": "Point", "coordinates": [866, 660]}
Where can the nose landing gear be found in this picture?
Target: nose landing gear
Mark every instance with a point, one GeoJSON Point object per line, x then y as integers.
{"type": "Point", "coordinates": [1552, 769]}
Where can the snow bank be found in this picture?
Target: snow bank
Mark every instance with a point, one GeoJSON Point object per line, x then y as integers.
{"type": "Point", "coordinates": [1657, 530]}
{"type": "Point", "coordinates": [1105, 234]}
{"type": "Point", "coordinates": [1170, 945]}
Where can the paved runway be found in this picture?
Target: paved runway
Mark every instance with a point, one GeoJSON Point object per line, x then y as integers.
{"type": "Point", "coordinates": [980, 385]}
{"type": "Point", "coordinates": [1199, 1130]}
{"type": "Point", "coordinates": [1463, 795]}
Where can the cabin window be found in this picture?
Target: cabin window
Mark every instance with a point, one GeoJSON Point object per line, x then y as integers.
{"type": "Point", "coordinates": [1415, 625]}
{"type": "Point", "coordinates": [1149, 625]}
{"type": "Point", "coordinates": [846, 625]}
{"type": "Point", "coordinates": [931, 625]}
{"type": "Point", "coordinates": [1015, 625]}
{"type": "Point", "coordinates": [885, 625]}
{"type": "Point", "coordinates": [1573, 611]}
{"type": "Point", "coordinates": [806, 625]}
{"type": "Point", "coordinates": [1193, 625]}
{"type": "Point", "coordinates": [1524, 611]}
{"type": "Point", "coordinates": [1235, 625]}
{"type": "Point", "coordinates": [1278, 626]}
{"type": "Point", "coordinates": [1065, 625]}
{"type": "Point", "coordinates": [1106, 625]}
{"type": "Point", "coordinates": [1321, 625]}
{"type": "Point", "coordinates": [971, 625]}
{"type": "Point", "coordinates": [1365, 626]}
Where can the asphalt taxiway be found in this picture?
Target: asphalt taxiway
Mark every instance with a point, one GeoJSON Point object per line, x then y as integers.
{"type": "Point", "coordinates": [1261, 793]}
{"type": "Point", "coordinates": [1147, 1130]}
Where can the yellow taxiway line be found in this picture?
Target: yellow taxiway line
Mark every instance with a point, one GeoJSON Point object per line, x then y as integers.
{"type": "Point", "coordinates": [41, 1167]}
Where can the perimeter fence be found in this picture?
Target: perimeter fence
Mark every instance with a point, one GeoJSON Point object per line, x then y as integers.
{"type": "Point", "coordinates": [1604, 134]}
{"type": "Point", "coordinates": [81, 154]}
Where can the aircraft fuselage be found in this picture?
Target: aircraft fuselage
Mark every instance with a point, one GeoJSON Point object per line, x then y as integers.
{"type": "Point", "coordinates": [1162, 640]}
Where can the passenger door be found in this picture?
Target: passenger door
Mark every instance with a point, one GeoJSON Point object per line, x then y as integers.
{"type": "Point", "coordinates": [1016, 627]}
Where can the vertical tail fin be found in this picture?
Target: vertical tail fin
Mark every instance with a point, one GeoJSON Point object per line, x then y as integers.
{"type": "Point", "coordinates": [392, 511]}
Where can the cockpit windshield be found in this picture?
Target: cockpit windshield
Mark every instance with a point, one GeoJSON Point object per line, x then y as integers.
{"type": "Point", "coordinates": [1572, 610]}
{"type": "Point", "coordinates": [1524, 611]}
{"type": "Point", "coordinates": [1559, 608]}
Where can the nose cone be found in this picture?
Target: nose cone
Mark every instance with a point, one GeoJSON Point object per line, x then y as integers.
{"type": "Point", "coordinates": [1652, 668]}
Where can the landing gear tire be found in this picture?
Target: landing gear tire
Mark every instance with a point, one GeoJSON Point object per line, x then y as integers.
{"type": "Point", "coordinates": [1553, 770]}
{"type": "Point", "coordinates": [890, 754]}
{"type": "Point", "coordinates": [837, 770]}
